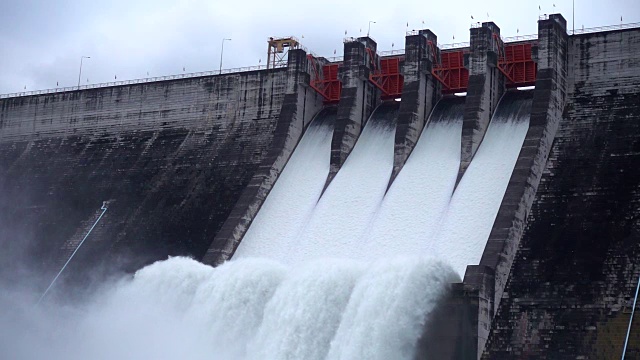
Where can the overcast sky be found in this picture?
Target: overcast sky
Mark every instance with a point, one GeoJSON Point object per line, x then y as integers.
{"type": "Point", "coordinates": [41, 41]}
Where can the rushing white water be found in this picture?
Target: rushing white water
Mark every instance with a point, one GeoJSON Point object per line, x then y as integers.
{"type": "Point", "coordinates": [353, 197]}
{"type": "Point", "coordinates": [294, 195]}
{"type": "Point", "coordinates": [229, 305]}
{"type": "Point", "coordinates": [303, 316]}
{"type": "Point", "coordinates": [305, 306]}
{"type": "Point", "coordinates": [465, 228]}
{"type": "Point", "coordinates": [242, 310]}
{"type": "Point", "coordinates": [174, 282]}
{"type": "Point", "coordinates": [420, 194]}
{"type": "Point", "coordinates": [388, 308]}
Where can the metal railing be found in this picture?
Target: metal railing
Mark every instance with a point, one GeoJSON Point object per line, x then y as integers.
{"type": "Point", "coordinates": [441, 46]}
{"type": "Point", "coordinates": [335, 59]}
{"type": "Point", "coordinates": [136, 81]}
{"type": "Point", "coordinates": [299, 43]}
{"type": "Point", "coordinates": [331, 59]}
{"type": "Point", "coordinates": [520, 38]}
{"type": "Point", "coordinates": [454, 45]}
{"type": "Point", "coordinates": [391, 52]}
{"type": "Point", "coordinates": [604, 28]}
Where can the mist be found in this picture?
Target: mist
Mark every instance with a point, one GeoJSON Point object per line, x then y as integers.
{"type": "Point", "coordinates": [245, 309]}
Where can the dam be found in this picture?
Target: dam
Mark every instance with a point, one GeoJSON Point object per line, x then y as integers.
{"type": "Point", "coordinates": [475, 201]}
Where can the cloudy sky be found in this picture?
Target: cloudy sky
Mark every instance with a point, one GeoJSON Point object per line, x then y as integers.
{"type": "Point", "coordinates": [41, 41]}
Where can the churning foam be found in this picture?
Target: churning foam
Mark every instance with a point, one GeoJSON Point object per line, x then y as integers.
{"type": "Point", "coordinates": [242, 310]}
{"type": "Point", "coordinates": [388, 308]}
{"type": "Point", "coordinates": [318, 308]}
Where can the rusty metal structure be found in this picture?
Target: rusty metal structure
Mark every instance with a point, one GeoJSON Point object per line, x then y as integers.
{"type": "Point", "coordinates": [278, 50]}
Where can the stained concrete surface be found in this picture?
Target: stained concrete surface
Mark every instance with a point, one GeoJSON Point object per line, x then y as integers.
{"type": "Point", "coordinates": [171, 157]}
{"type": "Point", "coordinates": [571, 287]}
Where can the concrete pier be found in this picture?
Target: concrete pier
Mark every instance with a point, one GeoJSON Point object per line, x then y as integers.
{"type": "Point", "coordinates": [486, 86]}
{"type": "Point", "coordinates": [549, 100]}
{"type": "Point", "coordinates": [481, 279]}
{"type": "Point", "coordinates": [420, 93]}
{"type": "Point", "coordinates": [358, 99]}
{"type": "Point", "coordinates": [300, 104]}
{"type": "Point", "coordinates": [451, 330]}
{"type": "Point", "coordinates": [572, 282]}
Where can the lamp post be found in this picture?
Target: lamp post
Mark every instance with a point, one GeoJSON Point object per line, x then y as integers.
{"type": "Point", "coordinates": [80, 73]}
{"type": "Point", "coordinates": [222, 53]}
{"type": "Point", "coordinates": [369, 29]}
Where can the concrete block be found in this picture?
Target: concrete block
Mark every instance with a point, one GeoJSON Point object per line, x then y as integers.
{"type": "Point", "coordinates": [358, 99]}
{"type": "Point", "coordinates": [420, 93]}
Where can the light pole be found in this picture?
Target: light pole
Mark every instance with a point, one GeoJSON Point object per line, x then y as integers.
{"type": "Point", "coordinates": [80, 73]}
{"type": "Point", "coordinates": [369, 29]}
{"type": "Point", "coordinates": [222, 53]}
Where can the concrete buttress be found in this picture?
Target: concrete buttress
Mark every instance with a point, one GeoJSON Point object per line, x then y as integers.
{"type": "Point", "coordinates": [300, 104]}
{"type": "Point", "coordinates": [419, 94]}
{"type": "Point", "coordinates": [549, 99]}
{"type": "Point", "coordinates": [573, 277]}
{"type": "Point", "coordinates": [357, 100]}
{"type": "Point", "coordinates": [486, 86]}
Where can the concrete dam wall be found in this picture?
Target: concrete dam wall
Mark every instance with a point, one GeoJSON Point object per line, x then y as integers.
{"type": "Point", "coordinates": [570, 291]}
{"type": "Point", "coordinates": [184, 167]}
{"type": "Point", "coordinates": [171, 158]}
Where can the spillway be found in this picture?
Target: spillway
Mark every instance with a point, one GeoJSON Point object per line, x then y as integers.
{"type": "Point", "coordinates": [353, 197]}
{"type": "Point", "coordinates": [185, 163]}
{"type": "Point", "coordinates": [420, 194]}
{"type": "Point", "coordinates": [313, 297]}
{"type": "Point", "coordinates": [465, 227]}
{"type": "Point", "coordinates": [388, 308]}
{"type": "Point", "coordinates": [295, 194]}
